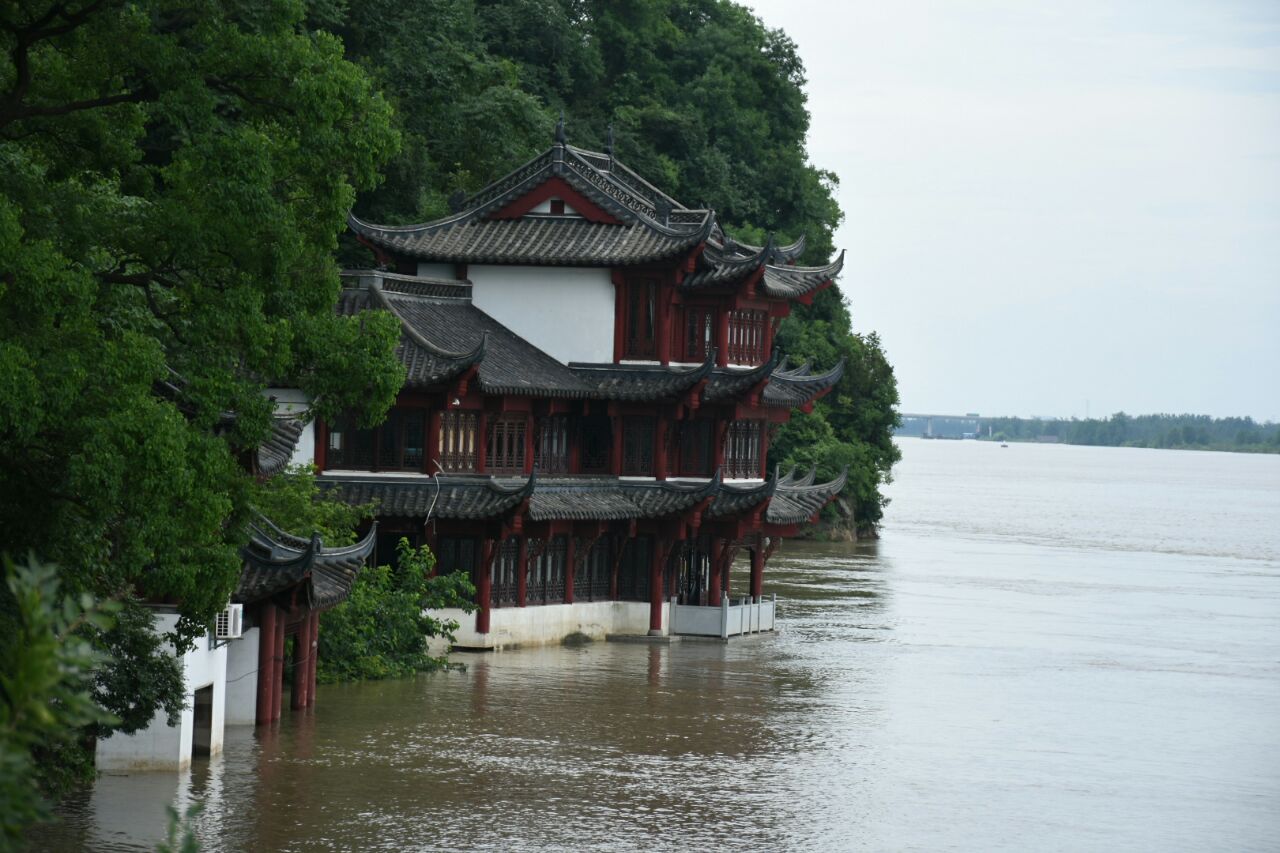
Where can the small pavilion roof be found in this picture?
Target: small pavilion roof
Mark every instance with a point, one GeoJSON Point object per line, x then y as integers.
{"type": "Point", "coordinates": [796, 502]}
{"type": "Point", "coordinates": [792, 388]}
{"type": "Point", "coordinates": [275, 561]}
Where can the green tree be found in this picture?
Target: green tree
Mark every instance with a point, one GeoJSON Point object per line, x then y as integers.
{"type": "Point", "coordinates": [172, 180]}
{"type": "Point", "coordinates": [382, 631]}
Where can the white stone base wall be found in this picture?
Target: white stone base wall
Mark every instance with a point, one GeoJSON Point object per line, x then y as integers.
{"type": "Point", "coordinates": [161, 746]}
{"type": "Point", "coordinates": [242, 679]}
{"type": "Point", "coordinates": [547, 624]}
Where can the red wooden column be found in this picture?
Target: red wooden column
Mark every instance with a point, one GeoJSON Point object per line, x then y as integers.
{"type": "Point", "coordinates": [569, 561]}
{"type": "Point", "coordinates": [655, 589]}
{"type": "Point", "coordinates": [722, 335]}
{"type": "Point", "coordinates": [713, 572]}
{"type": "Point", "coordinates": [615, 463]}
{"type": "Point", "coordinates": [661, 437]}
{"type": "Point", "coordinates": [484, 587]}
{"type": "Point", "coordinates": [757, 571]}
{"type": "Point", "coordinates": [763, 473]}
{"type": "Point", "coordinates": [311, 663]}
{"type": "Point", "coordinates": [522, 573]}
{"type": "Point", "coordinates": [662, 323]}
{"type": "Point", "coordinates": [277, 668]}
{"type": "Point", "coordinates": [301, 665]}
{"type": "Point", "coordinates": [432, 446]}
{"type": "Point", "coordinates": [266, 650]}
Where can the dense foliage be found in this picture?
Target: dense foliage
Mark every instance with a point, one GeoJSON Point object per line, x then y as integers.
{"type": "Point", "coordinates": [173, 177]}
{"type": "Point", "coordinates": [46, 694]}
{"type": "Point", "coordinates": [704, 100]}
{"type": "Point", "coordinates": [382, 631]}
{"type": "Point", "coordinates": [1167, 431]}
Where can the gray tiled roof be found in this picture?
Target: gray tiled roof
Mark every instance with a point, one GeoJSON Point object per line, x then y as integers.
{"type": "Point", "coordinates": [652, 226]}
{"type": "Point", "coordinates": [450, 496]}
{"type": "Point", "coordinates": [792, 388]}
{"type": "Point", "coordinates": [611, 499]}
{"type": "Point", "coordinates": [641, 381]}
{"type": "Point", "coordinates": [725, 384]}
{"type": "Point", "coordinates": [508, 364]}
{"type": "Point", "coordinates": [274, 453]}
{"type": "Point", "coordinates": [275, 561]}
{"type": "Point", "coordinates": [797, 502]}
{"type": "Point", "coordinates": [734, 499]}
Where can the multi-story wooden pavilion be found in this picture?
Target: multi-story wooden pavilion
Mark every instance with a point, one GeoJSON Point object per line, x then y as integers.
{"type": "Point", "coordinates": [591, 385]}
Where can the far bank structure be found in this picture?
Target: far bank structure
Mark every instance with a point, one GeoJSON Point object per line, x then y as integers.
{"type": "Point", "coordinates": [591, 385]}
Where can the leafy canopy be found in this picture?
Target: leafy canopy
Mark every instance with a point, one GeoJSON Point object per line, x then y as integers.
{"type": "Point", "coordinates": [173, 177]}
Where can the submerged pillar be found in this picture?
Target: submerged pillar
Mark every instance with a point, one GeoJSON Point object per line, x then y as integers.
{"type": "Point", "coordinates": [277, 668]}
{"type": "Point", "coordinates": [301, 665]}
{"type": "Point", "coordinates": [715, 561]}
{"type": "Point", "coordinates": [266, 650]}
{"type": "Point", "coordinates": [655, 590]}
{"type": "Point", "coordinates": [757, 572]}
{"type": "Point", "coordinates": [311, 662]}
{"type": "Point", "coordinates": [484, 587]}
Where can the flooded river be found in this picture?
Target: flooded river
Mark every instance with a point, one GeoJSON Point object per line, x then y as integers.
{"type": "Point", "coordinates": [1052, 648]}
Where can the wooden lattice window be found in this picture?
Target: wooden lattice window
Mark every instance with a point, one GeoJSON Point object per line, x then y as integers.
{"type": "Point", "coordinates": [597, 444]}
{"type": "Point", "coordinates": [458, 441]}
{"type": "Point", "coordinates": [696, 448]}
{"type": "Point", "coordinates": [350, 448]}
{"type": "Point", "coordinates": [546, 579]}
{"type": "Point", "coordinates": [505, 573]}
{"type": "Point", "coordinates": [637, 446]}
{"type": "Point", "coordinates": [402, 441]}
{"type": "Point", "coordinates": [699, 333]}
{"type": "Point", "coordinates": [633, 573]}
{"type": "Point", "coordinates": [506, 446]}
{"type": "Point", "coordinates": [641, 332]}
{"type": "Point", "coordinates": [597, 568]}
{"type": "Point", "coordinates": [455, 554]}
{"type": "Point", "coordinates": [747, 337]}
{"type": "Point", "coordinates": [742, 449]}
{"type": "Point", "coordinates": [551, 445]}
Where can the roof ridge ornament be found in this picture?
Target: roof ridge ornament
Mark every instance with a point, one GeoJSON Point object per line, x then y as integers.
{"type": "Point", "coordinates": [608, 146]}
{"type": "Point", "coordinates": [560, 137]}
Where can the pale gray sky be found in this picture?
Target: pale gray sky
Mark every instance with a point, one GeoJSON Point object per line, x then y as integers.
{"type": "Point", "coordinates": [1054, 203]}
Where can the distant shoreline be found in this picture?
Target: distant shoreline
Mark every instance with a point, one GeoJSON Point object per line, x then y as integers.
{"type": "Point", "coordinates": [1158, 432]}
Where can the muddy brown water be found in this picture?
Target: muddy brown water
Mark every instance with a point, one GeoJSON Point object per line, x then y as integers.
{"type": "Point", "coordinates": [1052, 648]}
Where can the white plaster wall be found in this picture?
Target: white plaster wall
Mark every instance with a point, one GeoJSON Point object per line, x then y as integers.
{"type": "Point", "coordinates": [564, 311]}
{"type": "Point", "coordinates": [547, 624]}
{"type": "Point", "coordinates": [242, 679]}
{"type": "Point", "coordinates": [445, 271]}
{"type": "Point", "coordinates": [291, 401]}
{"type": "Point", "coordinates": [161, 746]}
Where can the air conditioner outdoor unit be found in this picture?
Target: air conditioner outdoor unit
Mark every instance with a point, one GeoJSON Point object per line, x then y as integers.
{"type": "Point", "coordinates": [230, 623]}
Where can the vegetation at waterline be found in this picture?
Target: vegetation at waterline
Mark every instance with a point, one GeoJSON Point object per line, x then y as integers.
{"type": "Point", "coordinates": [704, 100]}
{"type": "Point", "coordinates": [382, 631]}
{"type": "Point", "coordinates": [1186, 432]}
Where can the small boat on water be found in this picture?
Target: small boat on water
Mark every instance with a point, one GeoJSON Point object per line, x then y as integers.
{"type": "Point", "coordinates": [1004, 444]}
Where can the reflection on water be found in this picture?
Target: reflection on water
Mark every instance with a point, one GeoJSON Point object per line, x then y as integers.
{"type": "Point", "coordinates": [1035, 656]}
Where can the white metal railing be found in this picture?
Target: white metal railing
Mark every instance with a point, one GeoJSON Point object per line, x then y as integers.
{"type": "Point", "coordinates": [728, 620]}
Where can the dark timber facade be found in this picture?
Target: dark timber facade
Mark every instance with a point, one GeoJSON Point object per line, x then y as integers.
{"type": "Point", "coordinates": [636, 478]}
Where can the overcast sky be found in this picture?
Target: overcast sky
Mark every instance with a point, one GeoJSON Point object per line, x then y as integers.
{"type": "Point", "coordinates": [1056, 205]}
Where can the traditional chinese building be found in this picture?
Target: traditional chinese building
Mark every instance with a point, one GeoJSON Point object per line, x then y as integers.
{"type": "Point", "coordinates": [591, 386]}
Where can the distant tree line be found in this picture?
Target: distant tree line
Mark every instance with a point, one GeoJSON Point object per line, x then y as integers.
{"type": "Point", "coordinates": [1195, 432]}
